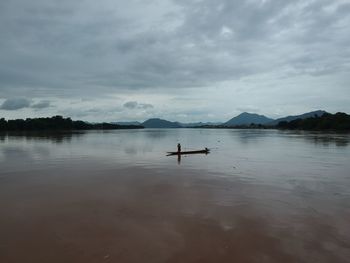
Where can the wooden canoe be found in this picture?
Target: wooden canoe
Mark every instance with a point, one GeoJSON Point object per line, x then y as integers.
{"type": "Point", "coordinates": [206, 151]}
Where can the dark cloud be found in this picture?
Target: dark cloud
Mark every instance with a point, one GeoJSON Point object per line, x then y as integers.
{"type": "Point", "coordinates": [130, 104]}
{"type": "Point", "coordinates": [15, 104]}
{"type": "Point", "coordinates": [136, 105]}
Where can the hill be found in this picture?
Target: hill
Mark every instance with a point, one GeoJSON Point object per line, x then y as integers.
{"type": "Point", "coordinates": [301, 116]}
{"type": "Point", "coordinates": [246, 118]}
{"type": "Point", "coordinates": [339, 122]}
{"type": "Point", "coordinates": [160, 123]}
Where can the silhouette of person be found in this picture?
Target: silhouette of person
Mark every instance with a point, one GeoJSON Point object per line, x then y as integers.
{"type": "Point", "coordinates": [178, 147]}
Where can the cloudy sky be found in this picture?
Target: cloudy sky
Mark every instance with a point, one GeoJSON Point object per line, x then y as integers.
{"type": "Point", "coordinates": [184, 60]}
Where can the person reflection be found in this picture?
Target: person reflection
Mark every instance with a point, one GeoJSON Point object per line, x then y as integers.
{"type": "Point", "coordinates": [179, 159]}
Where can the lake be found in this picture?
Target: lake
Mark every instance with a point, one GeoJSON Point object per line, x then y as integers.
{"type": "Point", "coordinates": [114, 196]}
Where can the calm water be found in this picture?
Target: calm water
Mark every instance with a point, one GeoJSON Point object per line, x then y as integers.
{"type": "Point", "coordinates": [114, 196]}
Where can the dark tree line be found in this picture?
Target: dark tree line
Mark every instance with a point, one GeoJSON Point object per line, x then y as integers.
{"type": "Point", "coordinates": [56, 123]}
{"type": "Point", "coordinates": [338, 121]}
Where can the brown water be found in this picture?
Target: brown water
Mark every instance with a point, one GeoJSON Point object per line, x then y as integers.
{"type": "Point", "coordinates": [259, 196]}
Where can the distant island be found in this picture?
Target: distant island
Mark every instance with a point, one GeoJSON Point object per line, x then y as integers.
{"type": "Point", "coordinates": [58, 123]}
{"type": "Point", "coordinates": [315, 120]}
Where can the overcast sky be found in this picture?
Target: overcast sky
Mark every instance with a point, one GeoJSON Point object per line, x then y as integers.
{"type": "Point", "coordinates": [183, 60]}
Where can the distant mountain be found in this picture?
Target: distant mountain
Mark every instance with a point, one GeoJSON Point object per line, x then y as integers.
{"type": "Point", "coordinates": [246, 118]}
{"type": "Point", "coordinates": [243, 119]}
{"type": "Point", "coordinates": [159, 123]}
{"type": "Point", "coordinates": [127, 123]}
{"type": "Point", "coordinates": [317, 113]}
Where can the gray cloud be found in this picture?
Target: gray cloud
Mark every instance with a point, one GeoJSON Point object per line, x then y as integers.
{"type": "Point", "coordinates": [248, 108]}
{"type": "Point", "coordinates": [41, 104]}
{"type": "Point", "coordinates": [136, 105]}
{"type": "Point", "coordinates": [146, 106]}
{"type": "Point", "coordinates": [130, 104]}
{"type": "Point", "coordinates": [67, 46]}
{"type": "Point", "coordinates": [69, 50]}
{"type": "Point", "coordinates": [15, 104]}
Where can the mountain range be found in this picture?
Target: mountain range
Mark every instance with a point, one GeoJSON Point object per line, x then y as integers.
{"type": "Point", "coordinates": [242, 119]}
{"type": "Point", "coordinates": [246, 118]}
{"type": "Point", "coordinates": [160, 123]}
{"type": "Point", "coordinates": [317, 113]}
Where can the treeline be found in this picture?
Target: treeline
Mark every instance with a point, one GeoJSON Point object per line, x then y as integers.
{"type": "Point", "coordinates": [339, 121]}
{"type": "Point", "coordinates": [57, 123]}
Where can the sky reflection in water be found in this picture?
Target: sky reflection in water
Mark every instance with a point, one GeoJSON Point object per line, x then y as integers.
{"type": "Point", "coordinates": [262, 193]}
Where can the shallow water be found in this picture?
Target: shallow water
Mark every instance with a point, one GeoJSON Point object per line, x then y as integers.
{"type": "Point", "coordinates": [114, 196]}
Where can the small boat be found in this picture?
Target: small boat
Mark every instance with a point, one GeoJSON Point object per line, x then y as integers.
{"type": "Point", "coordinates": [206, 151]}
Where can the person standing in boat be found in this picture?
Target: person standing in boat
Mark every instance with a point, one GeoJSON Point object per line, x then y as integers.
{"type": "Point", "coordinates": [178, 147]}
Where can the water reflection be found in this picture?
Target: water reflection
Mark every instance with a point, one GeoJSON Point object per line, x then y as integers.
{"type": "Point", "coordinates": [251, 136]}
{"type": "Point", "coordinates": [15, 153]}
{"type": "Point", "coordinates": [230, 148]}
{"type": "Point", "coordinates": [156, 134]}
{"type": "Point", "coordinates": [320, 138]}
{"type": "Point", "coordinates": [329, 139]}
{"type": "Point", "coordinates": [179, 156]}
{"type": "Point", "coordinates": [130, 150]}
{"type": "Point", "coordinates": [54, 136]}
{"type": "Point", "coordinates": [202, 218]}
{"type": "Point", "coordinates": [266, 195]}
